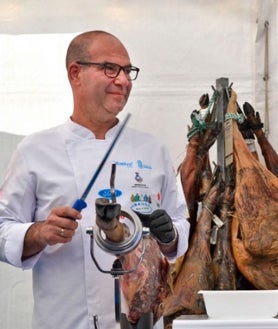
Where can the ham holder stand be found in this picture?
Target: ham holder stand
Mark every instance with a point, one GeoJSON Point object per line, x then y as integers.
{"type": "Point", "coordinates": [117, 249]}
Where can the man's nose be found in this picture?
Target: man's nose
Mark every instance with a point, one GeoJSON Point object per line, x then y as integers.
{"type": "Point", "coordinates": [123, 77]}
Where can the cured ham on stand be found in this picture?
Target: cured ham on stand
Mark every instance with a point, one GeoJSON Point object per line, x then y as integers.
{"type": "Point", "coordinates": [245, 252]}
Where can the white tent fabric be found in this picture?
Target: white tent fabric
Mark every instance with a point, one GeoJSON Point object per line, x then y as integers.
{"type": "Point", "coordinates": [181, 47]}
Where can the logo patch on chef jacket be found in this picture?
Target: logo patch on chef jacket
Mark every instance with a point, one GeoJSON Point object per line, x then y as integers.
{"type": "Point", "coordinates": [143, 198]}
{"type": "Point", "coordinates": [145, 203]}
{"type": "Point", "coordinates": [138, 178]}
{"type": "Point", "coordinates": [105, 193]}
{"type": "Point", "coordinates": [142, 207]}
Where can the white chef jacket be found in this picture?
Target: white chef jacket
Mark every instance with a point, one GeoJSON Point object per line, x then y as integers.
{"type": "Point", "coordinates": [52, 168]}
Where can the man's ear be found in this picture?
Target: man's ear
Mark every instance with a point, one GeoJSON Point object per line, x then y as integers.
{"type": "Point", "coordinates": [73, 73]}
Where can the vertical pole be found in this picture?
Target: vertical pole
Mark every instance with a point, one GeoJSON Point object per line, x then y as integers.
{"type": "Point", "coordinates": [266, 78]}
{"type": "Point", "coordinates": [221, 107]}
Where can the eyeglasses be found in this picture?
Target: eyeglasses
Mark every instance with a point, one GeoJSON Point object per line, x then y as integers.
{"type": "Point", "coordinates": [112, 70]}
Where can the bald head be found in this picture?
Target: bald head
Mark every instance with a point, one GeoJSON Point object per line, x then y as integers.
{"type": "Point", "coordinates": [79, 48]}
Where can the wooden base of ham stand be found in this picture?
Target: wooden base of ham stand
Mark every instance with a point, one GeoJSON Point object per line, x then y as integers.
{"type": "Point", "coordinates": [145, 322]}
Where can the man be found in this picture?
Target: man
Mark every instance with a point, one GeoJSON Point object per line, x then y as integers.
{"type": "Point", "coordinates": [40, 229]}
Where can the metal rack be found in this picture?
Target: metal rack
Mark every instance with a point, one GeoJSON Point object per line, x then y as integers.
{"type": "Point", "coordinates": [222, 85]}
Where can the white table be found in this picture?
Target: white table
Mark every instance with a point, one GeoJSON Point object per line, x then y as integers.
{"type": "Point", "coordinates": [202, 322]}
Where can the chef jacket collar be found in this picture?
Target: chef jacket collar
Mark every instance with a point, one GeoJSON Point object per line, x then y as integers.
{"type": "Point", "coordinates": [86, 133]}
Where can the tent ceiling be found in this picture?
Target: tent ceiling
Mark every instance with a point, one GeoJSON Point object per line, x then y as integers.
{"type": "Point", "coordinates": [67, 16]}
{"type": "Point", "coordinates": [181, 47]}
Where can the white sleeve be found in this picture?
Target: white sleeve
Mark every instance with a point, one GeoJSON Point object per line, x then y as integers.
{"type": "Point", "coordinates": [16, 207]}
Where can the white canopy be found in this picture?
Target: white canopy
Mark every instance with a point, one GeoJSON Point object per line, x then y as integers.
{"type": "Point", "coordinates": [181, 47]}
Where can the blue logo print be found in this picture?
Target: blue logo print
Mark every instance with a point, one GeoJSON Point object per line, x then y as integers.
{"type": "Point", "coordinates": [142, 165]}
{"type": "Point", "coordinates": [105, 193]}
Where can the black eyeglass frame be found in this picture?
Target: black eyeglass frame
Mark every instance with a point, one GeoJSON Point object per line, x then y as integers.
{"type": "Point", "coordinates": [105, 66]}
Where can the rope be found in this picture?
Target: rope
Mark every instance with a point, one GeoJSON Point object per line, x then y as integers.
{"type": "Point", "coordinates": [236, 116]}
{"type": "Point", "coordinates": [198, 123]}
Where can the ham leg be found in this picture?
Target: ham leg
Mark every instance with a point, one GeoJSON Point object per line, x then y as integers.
{"type": "Point", "coordinates": [255, 222]}
{"type": "Point", "coordinates": [268, 152]}
{"type": "Point", "coordinates": [196, 270]}
{"type": "Point", "coordinates": [145, 289]}
{"type": "Point", "coordinates": [224, 266]}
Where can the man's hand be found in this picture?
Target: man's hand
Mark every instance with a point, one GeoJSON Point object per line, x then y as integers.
{"type": "Point", "coordinates": [160, 224]}
{"type": "Point", "coordinates": [59, 227]}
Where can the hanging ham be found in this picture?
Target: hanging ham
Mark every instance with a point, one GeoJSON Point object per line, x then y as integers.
{"type": "Point", "coordinates": [255, 222]}
{"type": "Point", "coordinates": [196, 271]}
